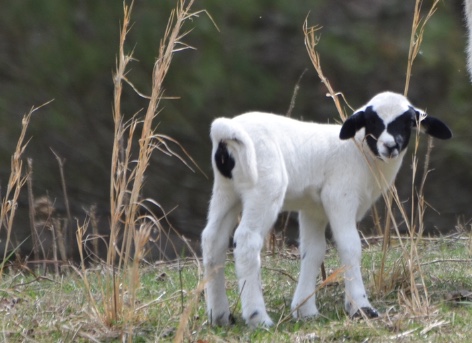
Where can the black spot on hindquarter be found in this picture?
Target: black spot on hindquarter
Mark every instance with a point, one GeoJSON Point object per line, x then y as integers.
{"type": "Point", "coordinates": [224, 161]}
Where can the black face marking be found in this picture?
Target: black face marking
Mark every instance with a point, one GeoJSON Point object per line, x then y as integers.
{"type": "Point", "coordinates": [400, 128]}
{"type": "Point", "coordinates": [224, 161]}
{"type": "Point", "coordinates": [374, 126]}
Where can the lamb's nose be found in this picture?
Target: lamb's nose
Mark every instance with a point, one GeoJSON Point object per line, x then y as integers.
{"type": "Point", "coordinates": [392, 148]}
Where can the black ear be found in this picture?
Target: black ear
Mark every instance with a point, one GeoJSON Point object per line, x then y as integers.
{"type": "Point", "coordinates": [433, 126]}
{"type": "Point", "coordinates": [352, 124]}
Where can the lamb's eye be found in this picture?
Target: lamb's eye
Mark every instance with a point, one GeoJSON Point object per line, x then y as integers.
{"type": "Point", "coordinates": [410, 123]}
{"type": "Point", "coordinates": [372, 122]}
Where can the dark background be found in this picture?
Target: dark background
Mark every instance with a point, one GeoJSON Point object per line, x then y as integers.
{"type": "Point", "coordinates": [66, 51]}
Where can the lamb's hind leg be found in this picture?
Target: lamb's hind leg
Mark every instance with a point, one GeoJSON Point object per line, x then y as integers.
{"type": "Point", "coordinates": [222, 219]}
{"type": "Point", "coordinates": [258, 217]}
{"type": "Point", "coordinates": [312, 252]}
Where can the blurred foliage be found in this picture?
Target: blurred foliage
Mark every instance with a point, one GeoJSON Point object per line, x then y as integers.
{"type": "Point", "coordinates": [251, 59]}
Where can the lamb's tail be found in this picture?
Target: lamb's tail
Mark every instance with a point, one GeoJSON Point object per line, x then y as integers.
{"type": "Point", "coordinates": [233, 148]}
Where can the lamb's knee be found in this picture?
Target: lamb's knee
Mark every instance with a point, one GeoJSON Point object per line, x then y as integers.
{"type": "Point", "coordinates": [214, 249]}
{"type": "Point", "coordinates": [208, 238]}
{"type": "Point", "coordinates": [247, 247]}
{"type": "Point", "coordinates": [246, 238]}
{"type": "Point", "coordinates": [348, 244]}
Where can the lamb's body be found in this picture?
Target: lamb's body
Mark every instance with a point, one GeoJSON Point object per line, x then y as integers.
{"type": "Point", "coordinates": [264, 164]}
{"type": "Point", "coordinates": [282, 141]}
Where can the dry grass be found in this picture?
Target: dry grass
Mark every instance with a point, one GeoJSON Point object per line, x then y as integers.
{"type": "Point", "coordinates": [131, 220]}
{"type": "Point", "coordinates": [168, 299]}
{"type": "Point", "coordinates": [16, 181]}
{"type": "Point", "coordinates": [128, 171]}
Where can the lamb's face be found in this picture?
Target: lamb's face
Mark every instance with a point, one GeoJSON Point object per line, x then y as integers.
{"type": "Point", "coordinates": [387, 121]}
{"type": "Point", "coordinates": [388, 135]}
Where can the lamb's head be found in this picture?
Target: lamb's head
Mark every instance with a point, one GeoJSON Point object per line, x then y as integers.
{"type": "Point", "coordinates": [387, 120]}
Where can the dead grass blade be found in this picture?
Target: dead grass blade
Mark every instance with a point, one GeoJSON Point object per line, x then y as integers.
{"type": "Point", "coordinates": [15, 183]}
{"type": "Point", "coordinates": [417, 32]}
{"type": "Point", "coordinates": [311, 41]}
{"type": "Point", "coordinates": [185, 317]}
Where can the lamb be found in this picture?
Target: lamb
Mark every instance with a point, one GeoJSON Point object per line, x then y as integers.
{"type": "Point", "coordinates": [264, 164]}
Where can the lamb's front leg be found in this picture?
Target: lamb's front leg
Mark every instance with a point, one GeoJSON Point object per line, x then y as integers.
{"type": "Point", "coordinates": [341, 212]}
{"type": "Point", "coordinates": [349, 247]}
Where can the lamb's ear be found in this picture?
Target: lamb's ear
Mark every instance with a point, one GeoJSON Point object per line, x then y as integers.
{"type": "Point", "coordinates": [432, 126]}
{"type": "Point", "coordinates": [352, 124]}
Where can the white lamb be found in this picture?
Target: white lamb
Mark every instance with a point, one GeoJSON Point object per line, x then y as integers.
{"type": "Point", "coordinates": [264, 164]}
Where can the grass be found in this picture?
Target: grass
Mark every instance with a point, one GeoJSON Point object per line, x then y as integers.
{"type": "Point", "coordinates": [58, 308]}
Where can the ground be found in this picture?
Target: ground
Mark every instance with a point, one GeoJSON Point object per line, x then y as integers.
{"type": "Point", "coordinates": [168, 302]}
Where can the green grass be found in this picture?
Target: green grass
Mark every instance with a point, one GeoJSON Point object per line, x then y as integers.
{"type": "Point", "coordinates": [49, 308]}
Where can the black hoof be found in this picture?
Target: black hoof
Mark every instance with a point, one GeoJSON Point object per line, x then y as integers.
{"type": "Point", "coordinates": [221, 320]}
{"type": "Point", "coordinates": [368, 312]}
{"type": "Point", "coordinates": [231, 319]}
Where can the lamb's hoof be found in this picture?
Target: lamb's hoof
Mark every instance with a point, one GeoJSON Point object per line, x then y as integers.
{"type": "Point", "coordinates": [224, 320]}
{"type": "Point", "coordinates": [305, 315]}
{"type": "Point", "coordinates": [257, 319]}
{"type": "Point", "coordinates": [306, 311]}
{"type": "Point", "coordinates": [366, 312]}
{"type": "Point", "coordinates": [231, 319]}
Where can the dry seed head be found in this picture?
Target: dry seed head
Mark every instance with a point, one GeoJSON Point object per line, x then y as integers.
{"type": "Point", "coordinates": [43, 208]}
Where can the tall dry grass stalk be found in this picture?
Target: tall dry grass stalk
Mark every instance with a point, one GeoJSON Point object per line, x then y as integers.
{"type": "Point", "coordinates": [311, 41]}
{"type": "Point", "coordinates": [120, 158]}
{"type": "Point", "coordinates": [416, 298]}
{"type": "Point", "coordinates": [418, 26]}
{"type": "Point", "coordinates": [129, 228]}
{"type": "Point", "coordinates": [16, 181]}
{"type": "Point", "coordinates": [127, 176]}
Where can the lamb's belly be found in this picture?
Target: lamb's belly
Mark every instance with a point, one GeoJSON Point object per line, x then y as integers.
{"type": "Point", "coordinates": [298, 202]}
